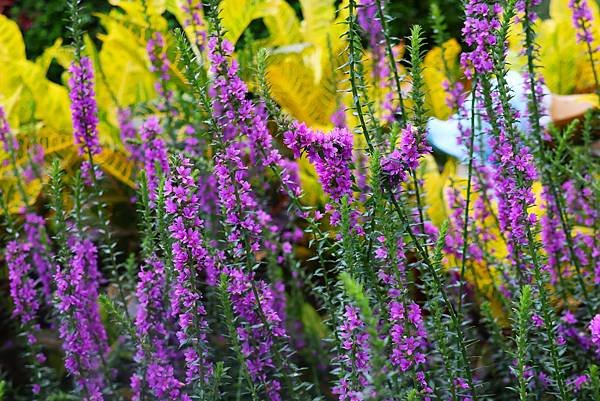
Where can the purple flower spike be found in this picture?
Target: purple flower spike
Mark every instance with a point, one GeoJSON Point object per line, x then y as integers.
{"type": "Point", "coordinates": [154, 154]}
{"type": "Point", "coordinates": [84, 110]}
{"type": "Point", "coordinates": [152, 329]}
{"type": "Point", "coordinates": [582, 20]}
{"type": "Point", "coordinates": [84, 338]}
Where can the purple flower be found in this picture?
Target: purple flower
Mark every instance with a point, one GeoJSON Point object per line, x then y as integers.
{"type": "Point", "coordinates": [154, 154]}
{"type": "Point", "coordinates": [128, 133]}
{"type": "Point", "coordinates": [239, 117]}
{"type": "Point", "coordinates": [192, 263]}
{"type": "Point", "coordinates": [84, 338]}
{"type": "Point", "coordinates": [513, 172]}
{"type": "Point", "coordinates": [257, 338]}
{"type": "Point", "coordinates": [582, 20]}
{"type": "Point", "coordinates": [355, 359]}
{"type": "Point", "coordinates": [578, 381]}
{"type": "Point", "coordinates": [40, 254]}
{"type": "Point", "coordinates": [84, 110]}
{"type": "Point", "coordinates": [194, 22]}
{"type": "Point", "coordinates": [537, 320]}
{"type": "Point", "coordinates": [153, 336]}
{"type": "Point", "coordinates": [160, 64]}
{"type": "Point", "coordinates": [331, 154]}
{"type": "Point", "coordinates": [479, 31]}
{"type": "Point", "coordinates": [595, 330]}
{"type": "Point", "coordinates": [9, 142]}
{"type": "Point", "coordinates": [29, 270]}
{"type": "Point", "coordinates": [22, 283]}
{"type": "Point", "coordinates": [397, 164]}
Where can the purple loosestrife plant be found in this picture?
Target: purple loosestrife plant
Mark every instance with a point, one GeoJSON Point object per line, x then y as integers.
{"type": "Point", "coordinates": [160, 65]}
{"type": "Point", "coordinates": [397, 165]}
{"type": "Point", "coordinates": [23, 286]}
{"type": "Point", "coordinates": [153, 154]}
{"type": "Point", "coordinates": [354, 359]}
{"type": "Point", "coordinates": [194, 22]}
{"type": "Point", "coordinates": [154, 353]}
{"type": "Point", "coordinates": [84, 113]}
{"type": "Point", "coordinates": [81, 329]}
{"type": "Point", "coordinates": [240, 117]}
{"type": "Point", "coordinates": [261, 324]}
{"type": "Point", "coordinates": [479, 29]}
{"type": "Point", "coordinates": [41, 255]}
{"type": "Point", "coordinates": [242, 132]}
{"type": "Point", "coordinates": [582, 20]}
{"type": "Point", "coordinates": [331, 154]}
{"type": "Point", "coordinates": [192, 263]}
{"type": "Point", "coordinates": [9, 143]}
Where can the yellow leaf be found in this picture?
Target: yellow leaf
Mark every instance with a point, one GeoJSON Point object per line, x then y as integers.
{"type": "Point", "coordinates": [318, 18]}
{"type": "Point", "coordinates": [293, 86]}
{"type": "Point", "coordinates": [236, 15]}
{"type": "Point", "coordinates": [282, 23]}
{"type": "Point", "coordinates": [117, 164]}
{"type": "Point", "coordinates": [12, 46]}
{"type": "Point", "coordinates": [51, 100]}
{"type": "Point", "coordinates": [434, 186]}
{"type": "Point", "coordinates": [439, 63]}
{"type": "Point", "coordinates": [309, 181]}
{"type": "Point", "coordinates": [124, 63]}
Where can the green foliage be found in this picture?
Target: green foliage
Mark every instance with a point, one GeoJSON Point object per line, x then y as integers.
{"type": "Point", "coordinates": [44, 21]}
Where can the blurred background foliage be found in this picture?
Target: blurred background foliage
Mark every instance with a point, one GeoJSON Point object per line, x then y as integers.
{"type": "Point", "coordinates": [43, 21]}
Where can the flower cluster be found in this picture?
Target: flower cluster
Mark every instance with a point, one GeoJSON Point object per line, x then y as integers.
{"type": "Point", "coordinates": [595, 330]}
{"type": "Point", "coordinates": [479, 29]}
{"type": "Point", "coordinates": [239, 117]}
{"type": "Point", "coordinates": [194, 21]}
{"type": "Point", "coordinates": [401, 161]}
{"type": "Point", "coordinates": [22, 283]}
{"type": "Point", "coordinates": [153, 335]}
{"type": "Point", "coordinates": [84, 109]}
{"type": "Point", "coordinates": [331, 154]}
{"type": "Point", "coordinates": [582, 20]}
{"type": "Point", "coordinates": [191, 258]}
{"type": "Point", "coordinates": [84, 338]}
{"type": "Point", "coordinates": [160, 64]}
{"type": "Point", "coordinates": [154, 154]}
{"type": "Point", "coordinates": [260, 310]}
{"type": "Point", "coordinates": [354, 382]}
{"type": "Point", "coordinates": [9, 143]}
{"type": "Point", "coordinates": [37, 240]}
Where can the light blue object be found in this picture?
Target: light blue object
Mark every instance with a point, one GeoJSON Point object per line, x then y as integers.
{"type": "Point", "coordinates": [443, 134]}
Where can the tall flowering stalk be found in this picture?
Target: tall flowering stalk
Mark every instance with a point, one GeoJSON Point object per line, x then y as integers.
{"type": "Point", "coordinates": [154, 154]}
{"type": "Point", "coordinates": [192, 263]}
{"type": "Point", "coordinates": [154, 353]}
{"type": "Point", "coordinates": [513, 184]}
{"type": "Point", "coordinates": [23, 286]}
{"type": "Point", "coordinates": [194, 22]}
{"type": "Point", "coordinates": [161, 65]}
{"type": "Point", "coordinates": [583, 22]}
{"type": "Point", "coordinates": [84, 338]}
{"type": "Point", "coordinates": [84, 113]}
{"type": "Point", "coordinates": [241, 126]}
{"type": "Point", "coordinates": [84, 109]}
{"type": "Point", "coordinates": [354, 361]}
{"type": "Point", "coordinates": [331, 154]}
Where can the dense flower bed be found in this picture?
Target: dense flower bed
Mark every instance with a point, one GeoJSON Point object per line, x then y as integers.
{"type": "Point", "coordinates": [282, 258]}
